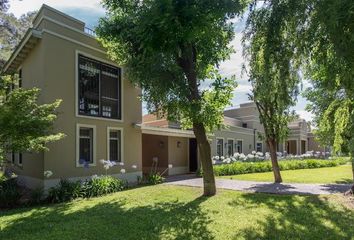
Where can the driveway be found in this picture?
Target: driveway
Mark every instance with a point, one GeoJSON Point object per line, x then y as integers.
{"type": "Point", "coordinates": [262, 187]}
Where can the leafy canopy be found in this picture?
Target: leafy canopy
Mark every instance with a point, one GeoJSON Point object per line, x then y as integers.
{"type": "Point", "coordinates": [169, 48]}
{"type": "Point", "coordinates": [26, 125]}
{"type": "Point", "coordinates": [272, 71]}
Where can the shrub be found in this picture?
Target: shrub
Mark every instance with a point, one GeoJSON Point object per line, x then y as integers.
{"type": "Point", "coordinates": [65, 191]}
{"type": "Point", "coordinates": [9, 192]}
{"type": "Point", "coordinates": [266, 166]}
{"type": "Point", "coordinates": [98, 186]}
{"type": "Point", "coordinates": [154, 179]}
{"type": "Point", "coordinates": [37, 195]}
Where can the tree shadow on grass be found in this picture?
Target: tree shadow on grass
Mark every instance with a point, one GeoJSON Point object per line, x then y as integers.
{"type": "Point", "coordinates": [297, 217]}
{"type": "Point", "coordinates": [345, 181]}
{"type": "Point", "coordinates": [112, 220]}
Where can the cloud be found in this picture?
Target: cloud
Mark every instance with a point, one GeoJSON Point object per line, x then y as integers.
{"type": "Point", "coordinates": [20, 7]}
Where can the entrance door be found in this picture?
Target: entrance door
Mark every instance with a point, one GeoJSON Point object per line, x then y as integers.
{"type": "Point", "coordinates": [193, 155]}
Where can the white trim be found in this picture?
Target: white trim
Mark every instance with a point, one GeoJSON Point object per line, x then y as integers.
{"type": "Point", "coordinates": [63, 25]}
{"type": "Point", "coordinates": [166, 131]}
{"type": "Point", "coordinates": [58, 12]}
{"type": "Point", "coordinates": [77, 52]}
{"type": "Point", "coordinates": [121, 142]}
{"type": "Point", "coordinates": [78, 126]}
{"type": "Point", "coordinates": [73, 40]}
{"type": "Point", "coordinates": [250, 134]}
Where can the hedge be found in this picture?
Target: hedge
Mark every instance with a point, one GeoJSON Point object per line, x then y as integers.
{"type": "Point", "coordinates": [266, 166]}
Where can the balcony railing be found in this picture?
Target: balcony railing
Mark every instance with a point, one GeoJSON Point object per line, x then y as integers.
{"type": "Point", "coordinates": [89, 31]}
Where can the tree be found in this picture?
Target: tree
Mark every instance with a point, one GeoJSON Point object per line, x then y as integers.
{"type": "Point", "coordinates": [272, 73]}
{"type": "Point", "coordinates": [327, 41]}
{"type": "Point", "coordinates": [168, 49]}
{"type": "Point", "coordinates": [12, 30]}
{"type": "Point", "coordinates": [25, 125]}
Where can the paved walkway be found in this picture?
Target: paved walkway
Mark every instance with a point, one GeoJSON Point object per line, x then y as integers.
{"type": "Point", "coordinates": [263, 187]}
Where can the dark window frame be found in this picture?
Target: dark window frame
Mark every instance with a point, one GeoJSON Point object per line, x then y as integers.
{"type": "Point", "coordinates": [118, 140]}
{"type": "Point", "coordinates": [101, 66]}
{"type": "Point", "coordinates": [91, 143]}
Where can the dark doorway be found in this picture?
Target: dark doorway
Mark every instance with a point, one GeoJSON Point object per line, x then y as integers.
{"type": "Point", "coordinates": [193, 155]}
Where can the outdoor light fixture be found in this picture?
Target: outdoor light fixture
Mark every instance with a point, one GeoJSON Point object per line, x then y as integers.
{"type": "Point", "coordinates": [178, 144]}
{"type": "Point", "coordinates": [161, 144]}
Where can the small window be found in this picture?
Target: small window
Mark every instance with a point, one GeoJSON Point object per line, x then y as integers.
{"type": "Point", "coordinates": [239, 146]}
{"type": "Point", "coordinates": [13, 157]}
{"type": "Point", "coordinates": [20, 78]}
{"type": "Point", "coordinates": [220, 147]}
{"type": "Point", "coordinates": [114, 145]}
{"type": "Point", "coordinates": [244, 125]}
{"type": "Point", "coordinates": [16, 158]}
{"type": "Point", "coordinates": [85, 145]}
{"type": "Point", "coordinates": [259, 147]}
{"type": "Point", "coordinates": [230, 147]}
{"type": "Point", "coordinates": [20, 159]}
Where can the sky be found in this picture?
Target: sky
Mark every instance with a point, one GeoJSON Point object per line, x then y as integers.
{"type": "Point", "coordinates": [89, 11]}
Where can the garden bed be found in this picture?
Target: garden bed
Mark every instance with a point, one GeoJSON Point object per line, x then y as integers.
{"type": "Point", "coordinates": [236, 168]}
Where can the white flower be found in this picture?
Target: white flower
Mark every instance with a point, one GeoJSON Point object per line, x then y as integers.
{"type": "Point", "coordinates": [102, 161]}
{"type": "Point", "coordinates": [259, 154]}
{"type": "Point", "coordinates": [122, 171]}
{"type": "Point", "coordinates": [95, 176]}
{"type": "Point", "coordinates": [213, 161]}
{"type": "Point", "coordinates": [216, 157]}
{"type": "Point", "coordinates": [134, 166]}
{"type": "Point", "coordinates": [121, 163]}
{"type": "Point", "coordinates": [222, 157]}
{"type": "Point", "coordinates": [170, 166]}
{"type": "Point", "coordinates": [254, 152]}
{"type": "Point", "coordinates": [236, 154]}
{"type": "Point", "coordinates": [48, 173]}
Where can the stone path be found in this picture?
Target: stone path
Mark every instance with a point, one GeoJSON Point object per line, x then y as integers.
{"type": "Point", "coordinates": [263, 187]}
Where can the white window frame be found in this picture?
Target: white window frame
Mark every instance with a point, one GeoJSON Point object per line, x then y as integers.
{"type": "Point", "coordinates": [260, 143]}
{"type": "Point", "coordinates": [237, 140]}
{"type": "Point", "coordinates": [78, 126]}
{"type": "Point", "coordinates": [233, 146]}
{"type": "Point", "coordinates": [77, 53]}
{"type": "Point", "coordinates": [223, 147]}
{"type": "Point", "coordinates": [121, 142]}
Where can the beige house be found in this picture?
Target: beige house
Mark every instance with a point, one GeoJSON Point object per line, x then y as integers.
{"type": "Point", "coordinates": [99, 109]}
{"type": "Point", "coordinates": [101, 114]}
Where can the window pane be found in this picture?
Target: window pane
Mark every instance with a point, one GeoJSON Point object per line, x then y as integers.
{"type": "Point", "coordinates": [114, 145]}
{"type": "Point", "coordinates": [220, 147]}
{"type": "Point", "coordinates": [239, 146]}
{"type": "Point", "coordinates": [99, 86]}
{"type": "Point", "coordinates": [230, 147]}
{"type": "Point", "coordinates": [86, 148]}
{"type": "Point", "coordinates": [89, 74]}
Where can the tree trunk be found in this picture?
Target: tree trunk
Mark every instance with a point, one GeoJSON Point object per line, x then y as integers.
{"type": "Point", "coordinates": [274, 158]}
{"type": "Point", "coordinates": [205, 159]}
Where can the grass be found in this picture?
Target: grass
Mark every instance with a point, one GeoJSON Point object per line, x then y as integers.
{"type": "Point", "coordinates": [339, 174]}
{"type": "Point", "coordinates": [171, 212]}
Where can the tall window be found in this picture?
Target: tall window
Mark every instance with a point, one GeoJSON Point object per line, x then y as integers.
{"type": "Point", "coordinates": [230, 147]}
{"type": "Point", "coordinates": [20, 78]}
{"type": "Point", "coordinates": [86, 145]}
{"type": "Point", "coordinates": [220, 147]}
{"type": "Point", "coordinates": [114, 145]}
{"type": "Point", "coordinates": [99, 89]}
{"type": "Point", "coordinates": [259, 147]}
{"type": "Point", "coordinates": [239, 146]}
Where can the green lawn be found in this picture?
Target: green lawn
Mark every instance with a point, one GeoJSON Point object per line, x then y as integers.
{"type": "Point", "coordinates": [339, 174]}
{"type": "Point", "coordinates": [171, 212]}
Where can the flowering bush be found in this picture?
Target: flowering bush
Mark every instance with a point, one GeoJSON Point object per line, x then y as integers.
{"type": "Point", "coordinates": [98, 186]}
{"type": "Point", "coordinates": [266, 166]}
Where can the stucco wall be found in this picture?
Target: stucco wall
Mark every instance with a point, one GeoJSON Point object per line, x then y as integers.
{"type": "Point", "coordinates": [154, 146]}
{"type": "Point", "coordinates": [178, 155]}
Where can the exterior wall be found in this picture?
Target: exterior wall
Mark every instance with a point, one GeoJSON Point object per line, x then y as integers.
{"type": "Point", "coordinates": [154, 146]}
{"type": "Point", "coordinates": [236, 133]}
{"type": "Point", "coordinates": [52, 66]}
{"type": "Point", "coordinates": [313, 145]}
{"type": "Point", "coordinates": [178, 155]}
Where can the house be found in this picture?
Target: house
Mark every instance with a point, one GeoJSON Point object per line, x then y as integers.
{"type": "Point", "coordinates": [101, 114]}
{"type": "Point", "coordinates": [99, 109]}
